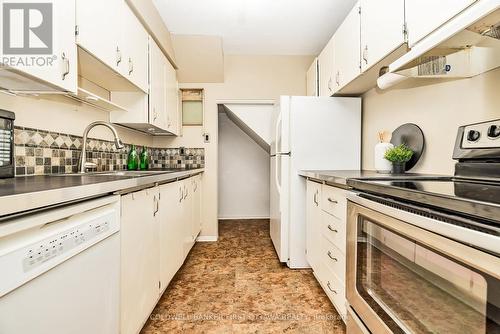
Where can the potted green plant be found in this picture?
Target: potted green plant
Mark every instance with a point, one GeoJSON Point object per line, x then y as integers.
{"type": "Point", "coordinates": [399, 156]}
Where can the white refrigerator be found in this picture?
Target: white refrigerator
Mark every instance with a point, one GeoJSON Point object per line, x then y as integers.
{"type": "Point", "coordinates": [309, 133]}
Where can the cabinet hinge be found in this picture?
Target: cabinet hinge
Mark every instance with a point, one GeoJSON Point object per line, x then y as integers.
{"type": "Point", "coordinates": [76, 30]}
{"type": "Point", "coordinates": [159, 285]}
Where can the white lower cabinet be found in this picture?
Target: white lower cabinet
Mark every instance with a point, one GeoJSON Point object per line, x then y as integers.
{"type": "Point", "coordinates": [157, 233]}
{"type": "Point", "coordinates": [326, 240]}
{"type": "Point", "coordinates": [140, 257]}
{"type": "Point", "coordinates": [171, 233]}
{"type": "Point", "coordinates": [196, 223]}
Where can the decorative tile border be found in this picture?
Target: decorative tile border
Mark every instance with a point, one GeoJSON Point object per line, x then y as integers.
{"type": "Point", "coordinates": [40, 152]}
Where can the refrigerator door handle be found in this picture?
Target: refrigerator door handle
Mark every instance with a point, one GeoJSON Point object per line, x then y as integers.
{"type": "Point", "coordinates": [278, 133]}
{"type": "Point", "coordinates": [276, 175]}
{"type": "Point", "coordinates": [278, 158]}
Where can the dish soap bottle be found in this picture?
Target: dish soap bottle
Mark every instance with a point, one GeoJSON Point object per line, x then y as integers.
{"type": "Point", "coordinates": [144, 161]}
{"type": "Point", "coordinates": [133, 159]}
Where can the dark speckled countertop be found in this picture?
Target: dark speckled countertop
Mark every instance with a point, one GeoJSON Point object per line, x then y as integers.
{"type": "Point", "coordinates": [26, 193]}
{"type": "Point", "coordinates": [339, 178]}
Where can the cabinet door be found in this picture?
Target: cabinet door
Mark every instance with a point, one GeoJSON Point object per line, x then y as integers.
{"type": "Point", "coordinates": [134, 39]}
{"type": "Point", "coordinates": [346, 41]}
{"type": "Point", "coordinates": [382, 29]}
{"type": "Point", "coordinates": [424, 16]}
{"type": "Point", "coordinates": [172, 99]}
{"type": "Point", "coordinates": [157, 89]}
{"type": "Point", "coordinates": [313, 224]}
{"type": "Point", "coordinates": [312, 79]}
{"type": "Point", "coordinates": [171, 232]}
{"type": "Point", "coordinates": [60, 67]}
{"type": "Point", "coordinates": [99, 24]}
{"type": "Point", "coordinates": [196, 191]}
{"type": "Point", "coordinates": [139, 258]}
{"type": "Point", "coordinates": [325, 63]}
{"type": "Point", "coordinates": [187, 214]}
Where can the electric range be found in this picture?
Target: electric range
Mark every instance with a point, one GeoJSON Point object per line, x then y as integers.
{"type": "Point", "coordinates": [423, 256]}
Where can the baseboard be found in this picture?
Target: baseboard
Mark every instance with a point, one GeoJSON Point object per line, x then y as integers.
{"type": "Point", "coordinates": [207, 238]}
{"type": "Point", "coordinates": [244, 218]}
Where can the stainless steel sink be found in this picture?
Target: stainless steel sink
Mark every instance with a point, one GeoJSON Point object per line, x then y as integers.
{"type": "Point", "coordinates": [121, 173]}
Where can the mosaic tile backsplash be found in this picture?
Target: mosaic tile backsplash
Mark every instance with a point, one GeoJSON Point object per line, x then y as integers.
{"type": "Point", "coordinates": [39, 152]}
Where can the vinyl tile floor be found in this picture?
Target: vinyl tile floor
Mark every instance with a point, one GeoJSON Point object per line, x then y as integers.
{"type": "Point", "coordinates": [237, 285]}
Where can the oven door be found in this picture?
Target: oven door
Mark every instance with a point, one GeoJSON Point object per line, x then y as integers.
{"type": "Point", "coordinates": [402, 278]}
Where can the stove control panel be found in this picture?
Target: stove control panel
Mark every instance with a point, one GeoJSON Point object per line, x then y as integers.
{"type": "Point", "coordinates": [482, 135]}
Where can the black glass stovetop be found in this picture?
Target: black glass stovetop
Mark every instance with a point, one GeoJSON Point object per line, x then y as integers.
{"type": "Point", "coordinates": [469, 197]}
{"type": "Point", "coordinates": [488, 192]}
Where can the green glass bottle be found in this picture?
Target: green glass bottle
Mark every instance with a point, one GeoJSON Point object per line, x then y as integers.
{"type": "Point", "coordinates": [144, 161]}
{"type": "Point", "coordinates": [133, 159]}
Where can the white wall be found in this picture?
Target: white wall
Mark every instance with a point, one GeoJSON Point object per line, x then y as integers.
{"type": "Point", "coordinates": [257, 116]}
{"type": "Point", "coordinates": [438, 108]}
{"type": "Point", "coordinates": [243, 174]}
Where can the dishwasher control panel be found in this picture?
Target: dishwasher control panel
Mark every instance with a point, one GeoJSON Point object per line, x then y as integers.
{"type": "Point", "coordinates": [40, 252]}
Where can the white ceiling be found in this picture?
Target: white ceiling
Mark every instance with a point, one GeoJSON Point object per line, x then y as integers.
{"type": "Point", "coordinates": [272, 27]}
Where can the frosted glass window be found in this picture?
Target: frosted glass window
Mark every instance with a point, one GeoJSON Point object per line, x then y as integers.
{"type": "Point", "coordinates": [192, 107]}
{"type": "Point", "coordinates": [192, 113]}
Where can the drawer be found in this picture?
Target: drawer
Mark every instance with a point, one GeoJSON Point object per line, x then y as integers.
{"type": "Point", "coordinates": [333, 258]}
{"type": "Point", "coordinates": [334, 201]}
{"type": "Point", "coordinates": [334, 229]}
{"type": "Point", "coordinates": [335, 290]}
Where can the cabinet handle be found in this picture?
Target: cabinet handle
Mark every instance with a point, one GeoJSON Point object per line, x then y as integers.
{"type": "Point", "coordinates": [195, 186]}
{"type": "Point", "coordinates": [315, 199]}
{"type": "Point", "coordinates": [118, 56]}
{"type": "Point", "coordinates": [66, 65]}
{"type": "Point", "coordinates": [365, 54]}
{"type": "Point", "coordinates": [181, 193]}
{"type": "Point", "coordinates": [333, 201]}
{"type": "Point", "coordinates": [130, 66]}
{"type": "Point", "coordinates": [330, 255]}
{"type": "Point", "coordinates": [330, 287]}
{"type": "Point", "coordinates": [330, 227]}
{"type": "Point", "coordinates": [156, 206]}
{"type": "Point", "coordinates": [155, 115]}
{"type": "Point", "coordinates": [337, 78]}
{"type": "Point", "coordinates": [185, 192]}
{"type": "Point", "coordinates": [330, 84]}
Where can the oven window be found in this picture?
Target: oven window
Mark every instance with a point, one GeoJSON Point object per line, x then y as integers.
{"type": "Point", "coordinates": [414, 289]}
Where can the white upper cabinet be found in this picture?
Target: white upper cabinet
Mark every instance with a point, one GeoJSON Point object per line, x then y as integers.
{"type": "Point", "coordinates": [312, 79]}
{"type": "Point", "coordinates": [346, 54]}
{"type": "Point", "coordinates": [158, 64]}
{"type": "Point", "coordinates": [326, 74]}
{"type": "Point", "coordinates": [111, 32]}
{"type": "Point", "coordinates": [97, 33]}
{"type": "Point", "coordinates": [424, 16]}
{"type": "Point", "coordinates": [382, 29]}
{"type": "Point", "coordinates": [59, 67]}
{"type": "Point", "coordinates": [172, 99]}
{"type": "Point", "coordinates": [134, 41]}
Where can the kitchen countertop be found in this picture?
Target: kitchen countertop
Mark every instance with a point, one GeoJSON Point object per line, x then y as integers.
{"type": "Point", "coordinates": [339, 178]}
{"type": "Point", "coordinates": [21, 194]}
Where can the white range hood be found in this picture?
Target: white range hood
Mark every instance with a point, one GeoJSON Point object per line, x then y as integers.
{"type": "Point", "coordinates": [466, 46]}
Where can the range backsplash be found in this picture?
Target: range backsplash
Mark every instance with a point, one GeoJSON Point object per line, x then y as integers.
{"type": "Point", "coordinates": [39, 152]}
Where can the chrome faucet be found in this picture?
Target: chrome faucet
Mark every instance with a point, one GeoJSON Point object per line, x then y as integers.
{"type": "Point", "coordinates": [83, 158]}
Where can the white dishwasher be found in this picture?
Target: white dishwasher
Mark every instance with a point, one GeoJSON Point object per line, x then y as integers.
{"type": "Point", "coordinates": [60, 270]}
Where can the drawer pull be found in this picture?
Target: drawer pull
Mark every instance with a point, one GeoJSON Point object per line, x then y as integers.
{"type": "Point", "coordinates": [330, 287]}
{"type": "Point", "coordinates": [332, 201]}
{"type": "Point", "coordinates": [332, 257]}
{"type": "Point", "coordinates": [330, 227]}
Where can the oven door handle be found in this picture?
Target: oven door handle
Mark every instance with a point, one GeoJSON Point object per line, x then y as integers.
{"type": "Point", "coordinates": [463, 235]}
